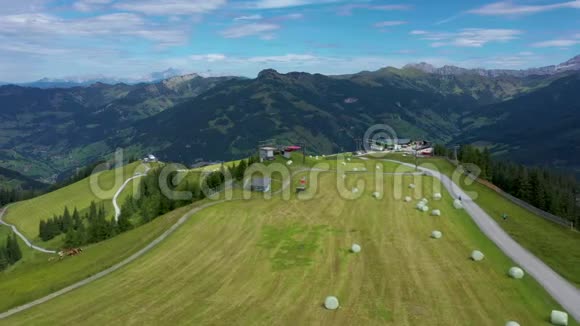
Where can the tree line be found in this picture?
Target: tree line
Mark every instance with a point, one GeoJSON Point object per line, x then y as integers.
{"type": "Point", "coordinates": [552, 191]}
{"type": "Point", "coordinates": [91, 227]}
{"type": "Point", "coordinates": [151, 202]}
{"type": "Point", "coordinates": [10, 253]}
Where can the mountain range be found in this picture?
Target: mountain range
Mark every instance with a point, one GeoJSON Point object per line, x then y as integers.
{"type": "Point", "coordinates": [76, 81]}
{"type": "Point", "coordinates": [530, 116]}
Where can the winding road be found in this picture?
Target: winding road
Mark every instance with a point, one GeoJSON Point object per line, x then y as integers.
{"type": "Point", "coordinates": [48, 251]}
{"type": "Point", "coordinates": [567, 295]}
{"type": "Point", "coordinates": [20, 235]}
{"type": "Point", "coordinates": [123, 186]}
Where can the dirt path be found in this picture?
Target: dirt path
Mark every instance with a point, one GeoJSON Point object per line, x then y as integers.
{"type": "Point", "coordinates": [561, 290]}
{"type": "Point", "coordinates": [21, 236]}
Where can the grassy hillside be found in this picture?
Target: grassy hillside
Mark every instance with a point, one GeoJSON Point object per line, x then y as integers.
{"type": "Point", "coordinates": [555, 245]}
{"type": "Point", "coordinates": [274, 261]}
{"type": "Point", "coordinates": [27, 214]}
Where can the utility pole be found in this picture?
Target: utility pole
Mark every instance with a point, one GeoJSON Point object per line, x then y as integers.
{"type": "Point", "coordinates": [416, 157]}
{"type": "Point", "coordinates": [455, 148]}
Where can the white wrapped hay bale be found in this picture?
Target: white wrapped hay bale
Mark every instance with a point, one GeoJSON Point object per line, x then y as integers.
{"type": "Point", "coordinates": [437, 196]}
{"type": "Point", "coordinates": [355, 248]}
{"type": "Point", "coordinates": [436, 234]}
{"type": "Point", "coordinates": [348, 159]}
{"type": "Point", "coordinates": [378, 167]}
{"type": "Point", "coordinates": [331, 303]}
{"type": "Point", "coordinates": [376, 194]}
{"type": "Point", "coordinates": [354, 190]}
{"type": "Point", "coordinates": [512, 323]}
{"type": "Point", "coordinates": [412, 186]}
{"type": "Point", "coordinates": [425, 209]}
{"type": "Point", "coordinates": [457, 204]}
{"type": "Point", "coordinates": [477, 255]}
{"type": "Point", "coordinates": [559, 318]}
{"type": "Point", "coordinates": [316, 157]}
{"type": "Point", "coordinates": [408, 199]}
{"type": "Point", "coordinates": [289, 162]}
{"type": "Point", "coordinates": [516, 272]}
{"type": "Point", "coordinates": [436, 212]}
{"type": "Point", "coordinates": [425, 200]}
{"type": "Point", "coordinates": [355, 169]}
{"type": "Point", "coordinates": [343, 163]}
{"type": "Point", "coordinates": [420, 206]}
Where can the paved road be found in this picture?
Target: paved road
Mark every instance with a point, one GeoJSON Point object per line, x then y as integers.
{"type": "Point", "coordinates": [115, 204]}
{"type": "Point", "coordinates": [567, 295]}
{"type": "Point", "coordinates": [20, 235]}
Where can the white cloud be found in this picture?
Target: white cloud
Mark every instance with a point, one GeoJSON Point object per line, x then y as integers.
{"type": "Point", "coordinates": [90, 5]}
{"type": "Point", "coordinates": [556, 43]}
{"type": "Point", "coordinates": [211, 57]}
{"type": "Point", "coordinates": [250, 17]}
{"type": "Point", "coordinates": [171, 7]}
{"type": "Point", "coordinates": [468, 37]}
{"type": "Point", "coordinates": [277, 4]}
{"type": "Point", "coordinates": [249, 30]}
{"type": "Point", "coordinates": [283, 58]}
{"type": "Point", "coordinates": [44, 28]}
{"type": "Point", "coordinates": [388, 23]}
{"type": "Point", "coordinates": [509, 8]}
{"type": "Point", "coordinates": [347, 10]}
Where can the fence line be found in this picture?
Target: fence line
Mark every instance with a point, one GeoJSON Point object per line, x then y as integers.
{"type": "Point", "coordinates": [548, 216]}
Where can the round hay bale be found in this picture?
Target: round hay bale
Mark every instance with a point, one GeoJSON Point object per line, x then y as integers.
{"type": "Point", "coordinates": [317, 157]}
{"type": "Point", "coordinates": [289, 162]}
{"type": "Point", "coordinates": [378, 166]}
{"type": "Point", "coordinates": [457, 204]}
{"type": "Point", "coordinates": [331, 303]}
{"type": "Point", "coordinates": [477, 255]}
{"type": "Point", "coordinates": [420, 206]}
{"type": "Point", "coordinates": [437, 196]}
{"type": "Point", "coordinates": [425, 200]}
{"type": "Point", "coordinates": [512, 323]}
{"type": "Point", "coordinates": [354, 190]}
{"type": "Point", "coordinates": [348, 159]}
{"type": "Point", "coordinates": [355, 248]}
{"type": "Point", "coordinates": [425, 209]}
{"type": "Point", "coordinates": [355, 169]}
{"type": "Point", "coordinates": [408, 199]}
{"type": "Point", "coordinates": [412, 186]}
{"type": "Point", "coordinates": [559, 318]}
{"type": "Point", "coordinates": [376, 194]}
{"type": "Point", "coordinates": [436, 212]}
{"type": "Point", "coordinates": [516, 272]}
{"type": "Point", "coordinates": [436, 234]}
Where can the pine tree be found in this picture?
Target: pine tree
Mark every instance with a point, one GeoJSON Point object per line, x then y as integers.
{"type": "Point", "coordinates": [3, 259]}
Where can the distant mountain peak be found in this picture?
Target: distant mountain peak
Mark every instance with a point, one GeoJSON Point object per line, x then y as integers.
{"type": "Point", "coordinates": [268, 73]}
{"type": "Point", "coordinates": [570, 65]}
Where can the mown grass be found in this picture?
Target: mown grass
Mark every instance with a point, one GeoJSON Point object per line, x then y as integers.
{"type": "Point", "coordinates": [27, 214]}
{"type": "Point", "coordinates": [557, 246]}
{"type": "Point", "coordinates": [274, 261]}
{"type": "Point", "coordinates": [36, 276]}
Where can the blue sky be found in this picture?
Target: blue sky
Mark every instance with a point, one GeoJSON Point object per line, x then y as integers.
{"type": "Point", "coordinates": [131, 38]}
